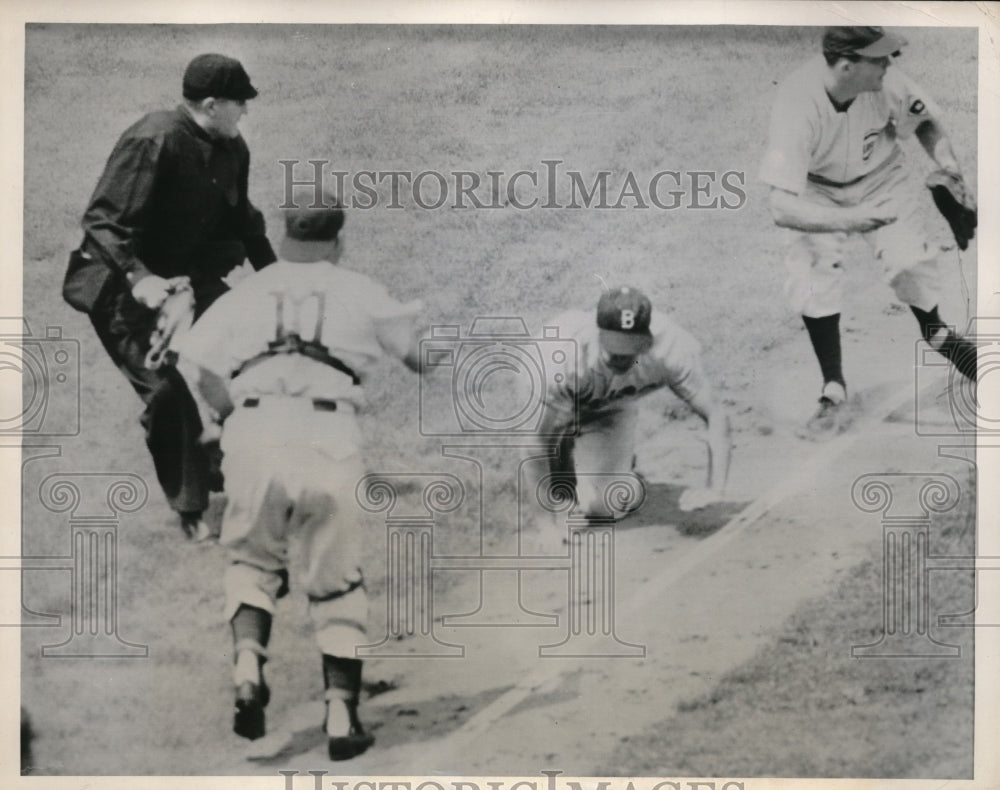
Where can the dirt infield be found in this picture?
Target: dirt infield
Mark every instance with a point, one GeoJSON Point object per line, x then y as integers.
{"type": "Point", "coordinates": [731, 639]}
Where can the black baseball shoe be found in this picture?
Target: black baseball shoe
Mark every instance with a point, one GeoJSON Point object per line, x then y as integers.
{"type": "Point", "coordinates": [248, 718]}
{"type": "Point", "coordinates": [197, 529]}
{"type": "Point", "coordinates": [355, 742]}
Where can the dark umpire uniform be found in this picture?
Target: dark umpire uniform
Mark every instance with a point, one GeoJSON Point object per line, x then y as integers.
{"type": "Point", "coordinates": [172, 202]}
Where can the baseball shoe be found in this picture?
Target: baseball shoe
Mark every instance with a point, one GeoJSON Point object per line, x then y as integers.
{"type": "Point", "coordinates": [831, 417]}
{"type": "Point", "coordinates": [356, 741]}
{"type": "Point", "coordinates": [196, 529]}
{"type": "Point", "coordinates": [248, 718]}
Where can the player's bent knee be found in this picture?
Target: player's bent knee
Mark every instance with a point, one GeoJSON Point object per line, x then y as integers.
{"type": "Point", "coordinates": [340, 639]}
{"type": "Point", "coordinates": [246, 584]}
{"type": "Point", "coordinates": [918, 285]}
{"type": "Point", "coordinates": [340, 620]}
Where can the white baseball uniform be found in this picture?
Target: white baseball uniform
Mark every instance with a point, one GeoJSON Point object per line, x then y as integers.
{"type": "Point", "coordinates": [842, 159]}
{"type": "Point", "coordinates": [602, 403]}
{"type": "Point", "coordinates": [292, 446]}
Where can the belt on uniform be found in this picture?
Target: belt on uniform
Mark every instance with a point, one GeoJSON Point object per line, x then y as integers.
{"type": "Point", "coordinates": [817, 179]}
{"type": "Point", "coordinates": [318, 404]}
{"type": "Point", "coordinates": [824, 181]}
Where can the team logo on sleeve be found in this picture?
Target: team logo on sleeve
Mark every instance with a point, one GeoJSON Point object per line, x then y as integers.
{"type": "Point", "coordinates": [918, 108]}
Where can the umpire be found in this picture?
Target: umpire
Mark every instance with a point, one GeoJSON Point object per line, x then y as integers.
{"type": "Point", "coordinates": [172, 202]}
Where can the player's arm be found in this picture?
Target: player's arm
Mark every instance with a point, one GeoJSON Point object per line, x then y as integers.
{"type": "Point", "coordinates": [686, 377]}
{"type": "Point", "coordinates": [916, 113]}
{"type": "Point", "coordinates": [118, 212]}
{"type": "Point", "coordinates": [395, 328]}
{"type": "Point", "coordinates": [790, 210]}
{"type": "Point", "coordinates": [935, 142]}
{"type": "Point", "coordinates": [720, 447]}
{"type": "Point", "coordinates": [210, 393]}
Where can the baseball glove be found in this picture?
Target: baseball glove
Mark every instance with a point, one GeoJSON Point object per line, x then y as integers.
{"type": "Point", "coordinates": [956, 203]}
{"type": "Point", "coordinates": [175, 317]}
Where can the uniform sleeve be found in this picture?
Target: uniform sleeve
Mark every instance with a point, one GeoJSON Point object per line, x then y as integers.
{"type": "Point", "coordinates": [394, 322]}
{"type": "Point", "coordinates": [789, 145]}
{"type": "Point", "coordinates": [683, 371]}
{"type": "Point", "coordinates": [909, 104]}
{"type": "Point", "coordinates": [119, 208]}
{"type": "Point", "coordinates": [252, 226]}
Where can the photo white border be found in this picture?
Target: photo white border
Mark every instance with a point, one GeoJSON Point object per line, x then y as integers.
{"type": "Point", "coordinates": [14, 14]}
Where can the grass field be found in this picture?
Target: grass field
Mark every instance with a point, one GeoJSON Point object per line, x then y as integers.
{"type": "Point", "coordinates": [502, 99]}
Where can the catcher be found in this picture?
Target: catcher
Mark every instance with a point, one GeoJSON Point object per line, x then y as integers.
{"type": "Point", "coordinates": [168, 220]}
{"type": "Point", "coordinates": [835, 167]}
{"type": "Point", "coordinates": [283, 357]}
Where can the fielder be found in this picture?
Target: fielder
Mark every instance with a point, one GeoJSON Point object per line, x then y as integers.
{"type": "Point", "coordinates": [293, 342]}
{"type": "Point", "coordinates": [589, 420]}
{"type": "Point", "coordinates": [835, 167]}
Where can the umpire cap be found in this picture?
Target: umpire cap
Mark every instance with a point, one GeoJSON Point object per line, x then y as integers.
{"type": "Point", "coordinates": [218, 76]}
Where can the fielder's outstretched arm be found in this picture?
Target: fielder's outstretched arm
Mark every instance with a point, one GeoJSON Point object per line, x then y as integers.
{"type": "Point", "coordinates": [790, 210]}
{"type": "Point", "coordinates": [720, 449]}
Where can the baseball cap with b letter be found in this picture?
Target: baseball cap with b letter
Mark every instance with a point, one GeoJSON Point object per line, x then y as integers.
{"type": "Point", "coordinates": [866, 42]}
{"type": "Point", "coordinates": [623, 316]}
{"type": "Point", "coordinates": [218, 76]}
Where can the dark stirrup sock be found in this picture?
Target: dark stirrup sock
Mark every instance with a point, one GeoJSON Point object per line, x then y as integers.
{"type": "Point", "coordinates": [825, 336]}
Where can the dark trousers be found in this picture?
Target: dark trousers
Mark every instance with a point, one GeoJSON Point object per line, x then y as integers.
{"type": "Point", "coordinates": [171, 418]}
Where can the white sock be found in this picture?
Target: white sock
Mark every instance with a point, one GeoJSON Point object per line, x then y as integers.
{"type": "Point", "coordinates": [834, 391]}
{"type": "Point", "coordinates": [247, 667]}
{"type": "Point", "coordinates": [338, 721]}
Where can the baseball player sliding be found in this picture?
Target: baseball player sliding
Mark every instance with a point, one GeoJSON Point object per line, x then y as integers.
{"type": "Point", "coordinates": [589, 420]}
{"type": "Point", "coordinates": [835, 167]}
{"type": "Point", "coordinates": [296, 339]}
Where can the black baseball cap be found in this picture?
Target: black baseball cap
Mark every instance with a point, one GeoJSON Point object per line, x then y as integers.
{"type": "Point", "coordinates": [218, 76]}
{"type": "Point", "coordinates": [310, 228]}
{"type": "Point", "coordinates": [868, 42]}
{"type": "Point", "coordinates": [623, 316]}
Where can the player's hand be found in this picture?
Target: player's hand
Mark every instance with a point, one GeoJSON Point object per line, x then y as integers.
{"type": "Point", "coordinates": [152, 291]}
{"type": "Point", "coordinates": [697, 498]}
{"type": "Point", "coordinates": [876, 214]}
